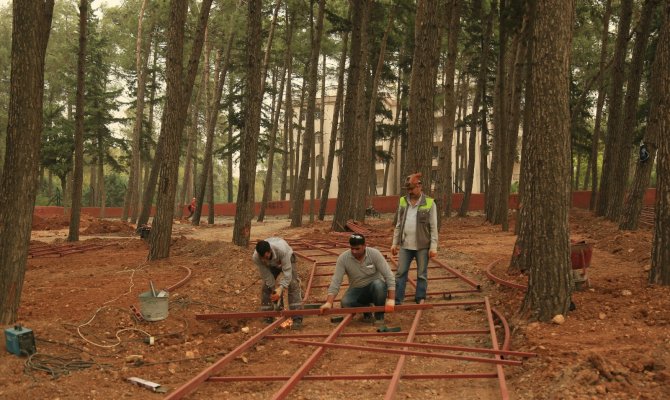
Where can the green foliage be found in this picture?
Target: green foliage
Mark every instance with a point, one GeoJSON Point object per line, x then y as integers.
{"type": "Point", "coordinates": [115, 188]}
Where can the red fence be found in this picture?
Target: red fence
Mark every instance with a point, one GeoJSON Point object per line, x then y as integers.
{"type": "Point", "coordinates": [383, 204]}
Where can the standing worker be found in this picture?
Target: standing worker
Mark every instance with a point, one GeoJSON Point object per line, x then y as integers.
{"type": "Point", "coordinates": [191, 208]}
{"type": "Point", "coordinates": [371, 280]}
{"type": "Point", "coordinates": [272, 256]}
{"type": "Point", "coordinates": [415, 237]}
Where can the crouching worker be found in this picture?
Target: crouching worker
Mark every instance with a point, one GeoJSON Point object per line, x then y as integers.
{"type": "Point", "coordinates": [371, 281]}
{"type": "Point", "coordinates": [273, 256]}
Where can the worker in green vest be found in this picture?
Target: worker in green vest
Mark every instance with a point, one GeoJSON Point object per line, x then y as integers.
{"type": "Point", "coordinates": [415, 237]}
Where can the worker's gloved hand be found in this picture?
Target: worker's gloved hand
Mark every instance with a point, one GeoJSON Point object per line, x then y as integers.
{"type": "Point", "coordinates": [390, 305]}
{"type": "Point", "coordinates": [276, 294]}
{"type": "Point", "coordinates": [394, 250]}
{"type": "Point", "coordinates": [432, 254]}
{"type": "Point", "coordinates": [325, 306]}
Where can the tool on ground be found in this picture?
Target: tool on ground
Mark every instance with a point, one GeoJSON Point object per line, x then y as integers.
{"type": "Point", "coordinates": [278, 304]}
{"type": "Point", "coordinates": [154, 387]}
{"type": "Point", "coordinates": [388, 329]}
{"type": "Point", "coordinates": [136, 313]}
{"type": "Point", "coordinates": [20, 341]}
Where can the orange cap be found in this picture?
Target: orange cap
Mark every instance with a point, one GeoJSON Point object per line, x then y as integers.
{"type": "Point", "coordinates": [413, 180]}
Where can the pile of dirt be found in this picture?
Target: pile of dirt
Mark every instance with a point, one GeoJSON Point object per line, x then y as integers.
{"type": "Point", "coordinates": [98, 226]}
{"type": "Point", "coordinates": [50, 222]}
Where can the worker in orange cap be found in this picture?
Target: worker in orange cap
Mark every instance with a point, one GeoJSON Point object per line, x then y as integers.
{"type": "Point", "coordinates": [415, 237]}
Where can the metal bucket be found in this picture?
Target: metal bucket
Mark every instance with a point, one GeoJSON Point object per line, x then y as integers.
{"type": "Point", "coordinates": [154, 308]}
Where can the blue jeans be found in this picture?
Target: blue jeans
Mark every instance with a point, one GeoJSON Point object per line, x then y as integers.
{"type": "Point", "coordinates": [374, 293]}
{"type": "Point", "coordinates": [405, 258]}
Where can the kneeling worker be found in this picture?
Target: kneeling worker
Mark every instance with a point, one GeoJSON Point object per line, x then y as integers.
{"type": "Point", "coordinates": [370, 279]}
{"type": "Point", "coordinates": [273, 256]}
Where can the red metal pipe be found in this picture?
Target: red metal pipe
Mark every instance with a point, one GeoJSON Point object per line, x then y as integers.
{"type": "Point", "coordinates": [408, 352]}
{"type": "Point", "coordinates": [183, 281]}
{"type": "Point", "coordinates": [458, 274]}
{"type": "Point", "coordinates": [289, 313]}
{"type": "Point", "coordinates": [307, 365]}
{"type": "Point", "coordinates": [196, 381]}
{"type": "Point", "coordinates": [494, 344]}
{"type": "Point", "coordinates": [395, 381]}
{"type": "Point", "coordinates": [503, 321]}
{"type": "Point", "coordinates": [501, 281]}
{"type": "Point", "coordinates": [309, 282]}
{"type": "Point", "coordinates": [265, 378]}
{"type": "Point", "coordinates": [375, 334]}
{"type": "Point", "coordinates": [464, 349]}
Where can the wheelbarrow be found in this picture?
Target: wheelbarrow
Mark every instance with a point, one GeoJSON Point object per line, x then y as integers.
{"type": "Point", "coordinates": [580, 259]}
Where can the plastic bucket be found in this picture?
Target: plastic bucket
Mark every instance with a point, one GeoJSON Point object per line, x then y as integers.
{"type": "Point", "coordinates": [154, 308]}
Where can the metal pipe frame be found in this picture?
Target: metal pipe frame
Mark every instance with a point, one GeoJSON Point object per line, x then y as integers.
{"type": "Point", "coordinates": [302, 372]}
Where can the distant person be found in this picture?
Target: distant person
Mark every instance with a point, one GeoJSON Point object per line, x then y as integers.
{"type": "Point", "coordinates": [272, 257]}
{"type": "Point", "coordinates": [415, 237]}
{"type": "Point", "coordinates": [191, 208]}
{"type": "Point", "coordinates": [371, 280]}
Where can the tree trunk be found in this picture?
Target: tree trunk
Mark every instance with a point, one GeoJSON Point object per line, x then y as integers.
{"type": "Point", "coordinates": [298, 197]}
{"type": "Point", "coordinates": [361, 186]}
{"type": "Point", "coordinates": [606, 205]}
{"type": "Point", "coordinates": [223, 61]}
{"type": "Point", "coordinates": [252, 118]}
{"type": "Point", "coordinates": [267, 189]}
{"type": "Point", "coordinates": [599, 105]}
{"type": "Point", "coordinates": [229, 158]}
{"type": "Point", "coordinates": [368, 174]}
{"type": "Point", "coordinates": [481, 82]}
{"type": "Point", "coordinates": [659, 127]}
{"type": "Point", "coordinates": [347, 178]}
{"type": "Point", "coordinates": [78, 173]}
{"type": "Point", "coordinates": [548, 185]}
{"type": "Point", "coordinates": [494, 196]}
{"type": "Point", "coordinates": [322, 123]}
{"type": "Point", "coordinates": [422, 91]}
{"type": "Point", "coordinates": [295, 169]}
{"type": "Point", "coordinates": [185, 193]}
{"type": "Point", "coordinates": [177, 96]}
{"type": "Point", "coordinates": [631, 109]}
{"type": "Point", "coordinates": [287, 156]}
{"type": "Point", "coordinates": [141, 59]}
{"type": "Point", "coordinates": [515, 113]}
{"type": "Point", "coordinates": [31, 25]}
{"type": "Point", "coordinates": [333, 128]}
{"type": "Point", "coordinates": [443, 186]}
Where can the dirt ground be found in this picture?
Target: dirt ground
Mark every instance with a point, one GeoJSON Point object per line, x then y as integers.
{"type": "Point", "coordinates": [614, 345]}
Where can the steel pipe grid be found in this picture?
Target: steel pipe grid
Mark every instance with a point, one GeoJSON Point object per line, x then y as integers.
{"type": "Point", "coordinates": [313, 252]}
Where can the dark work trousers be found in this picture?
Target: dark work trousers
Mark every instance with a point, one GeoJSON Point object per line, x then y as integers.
{"type": "Point", "coordinates": [294, 293]}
